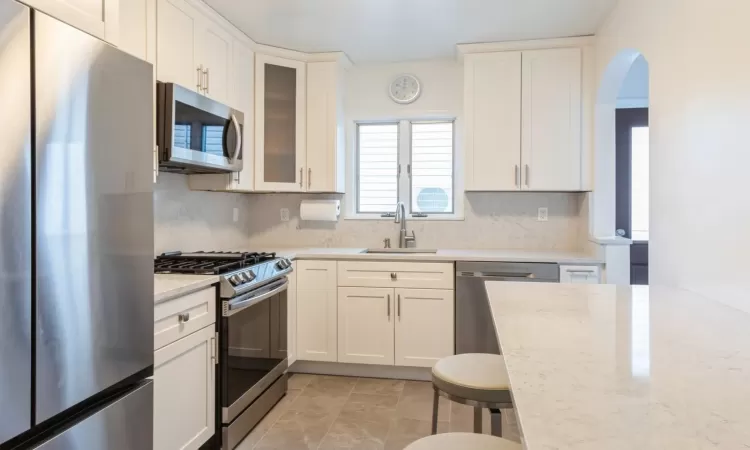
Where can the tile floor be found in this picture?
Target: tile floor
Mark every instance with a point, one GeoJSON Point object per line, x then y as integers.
{"type": "Point", "coordinates": [327, 412]}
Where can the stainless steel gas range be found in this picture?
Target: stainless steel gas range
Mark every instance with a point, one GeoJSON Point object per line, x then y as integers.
{"type": "Point", "coordinates": [252, 333]}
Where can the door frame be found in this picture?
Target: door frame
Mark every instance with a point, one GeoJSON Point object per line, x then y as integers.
{"type": "Point", "coordinates": [625, 120]}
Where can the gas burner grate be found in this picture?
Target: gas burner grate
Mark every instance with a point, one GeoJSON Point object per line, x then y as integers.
{"type": "Point", "coordinates": [208, 263]}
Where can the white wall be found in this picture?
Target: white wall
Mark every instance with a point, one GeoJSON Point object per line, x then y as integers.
{"type": "Point", "coordinates": [699, 67]}
{"type": "Point", "coordinates": [634, 90]}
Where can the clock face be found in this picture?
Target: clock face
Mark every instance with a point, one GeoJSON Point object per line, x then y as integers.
{"type": "Point", "coordinates": [405, 89]}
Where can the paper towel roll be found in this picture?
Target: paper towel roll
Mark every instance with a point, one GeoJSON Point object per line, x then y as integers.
{"type": "Point", "coordinates": [325, 210]}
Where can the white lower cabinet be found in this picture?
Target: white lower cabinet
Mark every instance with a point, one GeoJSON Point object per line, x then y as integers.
{"type": "Point", "coordinates": [316, 311]}
{"type": "Point", "coordinates": [424, 326]}
{"type": "Point", "coordinates": [367, 312]}
{"type": "Point", "coordinates": [291, 308]}
{"type": "Point", "coordinates": [184, 393]}
{"type": "Point", "coordinates": [316, 325]}
{"type": "Point", "coordinates": [365, 325]}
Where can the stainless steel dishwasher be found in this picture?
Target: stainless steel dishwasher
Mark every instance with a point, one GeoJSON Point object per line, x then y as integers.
{"type": "Point", "coordinates": [475, 330]}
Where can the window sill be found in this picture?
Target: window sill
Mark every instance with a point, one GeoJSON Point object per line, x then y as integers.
{"type": "Point", "coordinates": [434, 218]}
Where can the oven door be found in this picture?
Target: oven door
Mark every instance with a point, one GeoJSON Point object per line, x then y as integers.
{"type": "Point", "coordinates": [197, 134]}
{"type": "Point", "coordinates": [253, 345]}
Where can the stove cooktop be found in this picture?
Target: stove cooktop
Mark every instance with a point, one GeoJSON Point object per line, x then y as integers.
{"type": "Point", "coordinates": [239, 272]}
{"type": "Point", "coordinates": [208, 263]}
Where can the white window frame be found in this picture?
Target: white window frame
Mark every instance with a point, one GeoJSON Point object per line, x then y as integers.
{"type": "Point", "coordinates": [404, 161]}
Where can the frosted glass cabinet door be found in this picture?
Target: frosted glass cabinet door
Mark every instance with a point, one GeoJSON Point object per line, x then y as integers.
{"type": "Point", "coordinates": [280, 124]}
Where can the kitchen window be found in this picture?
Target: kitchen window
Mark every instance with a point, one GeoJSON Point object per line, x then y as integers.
{"type": "Point", "coordinates": [408, 161]}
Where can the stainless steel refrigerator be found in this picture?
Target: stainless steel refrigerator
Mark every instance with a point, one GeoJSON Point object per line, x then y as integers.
{"type": "Point", "coordinates": [76, 239]}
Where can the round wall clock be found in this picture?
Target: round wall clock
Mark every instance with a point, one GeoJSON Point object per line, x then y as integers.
{"type": "Point", "coordinates": [405, 89]}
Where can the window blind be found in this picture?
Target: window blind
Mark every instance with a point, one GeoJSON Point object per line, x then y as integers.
{"type": "Point", "coordinates": [432, 167]}
{"type": "Point", "coordinates": [378, 167]}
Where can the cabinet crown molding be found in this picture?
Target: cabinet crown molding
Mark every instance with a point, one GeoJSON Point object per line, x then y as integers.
{"type": "Point", "coordinates": [339, 57]}
{"type": "Point", "coordinates": [534, 44]}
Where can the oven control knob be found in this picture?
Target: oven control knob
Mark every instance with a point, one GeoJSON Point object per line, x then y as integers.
{"type": "Point", "coordinates": [249, 275]}
{"type": "Point", "coordinates": [280, 265]}
{"type": "Point", "coordinates": [235, 280]}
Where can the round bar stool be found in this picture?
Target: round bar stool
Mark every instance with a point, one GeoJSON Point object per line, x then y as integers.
{"type": "Point", "coordinates": [475, 379]}
{"type": "Point", "coordinates": [458, 441]}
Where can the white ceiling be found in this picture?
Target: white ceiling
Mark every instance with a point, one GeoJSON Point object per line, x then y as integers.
{"type": "Point", "coordinates": [399, 30]}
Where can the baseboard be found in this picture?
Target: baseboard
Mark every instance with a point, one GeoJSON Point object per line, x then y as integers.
{"type": "Point", "coordinates": [362, 370]}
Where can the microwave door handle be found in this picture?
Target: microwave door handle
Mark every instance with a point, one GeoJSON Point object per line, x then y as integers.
{"type": "Point", "coordinates": [238, 145]}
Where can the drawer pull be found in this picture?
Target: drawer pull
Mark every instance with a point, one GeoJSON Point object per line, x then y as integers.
{"type": "Point", "coordinates": [184, 317]}
{"type": "Point", "coordinates": [393, 275]}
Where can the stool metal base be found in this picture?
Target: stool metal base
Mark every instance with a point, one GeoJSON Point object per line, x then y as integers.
{"type": "Point", "coordinates": [496, 426]}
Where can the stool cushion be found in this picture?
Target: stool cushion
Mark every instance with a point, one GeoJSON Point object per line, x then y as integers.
{"type": "Point", "coordinates": [460, 441]}
{"type": "Point", "coordinates": [473, 376]}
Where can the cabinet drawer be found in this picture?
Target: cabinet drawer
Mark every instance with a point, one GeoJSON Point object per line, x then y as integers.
{"type": "Point", "coordinates": [199, 308]}
{"type": "Point", "coordinates": [313, 274]}
{"type": "Point", "coordinates": [579, 274]}
{"type": "Point", "coordinates": [396, 274]}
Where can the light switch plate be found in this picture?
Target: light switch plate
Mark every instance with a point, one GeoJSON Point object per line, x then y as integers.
{"type": "Point", "coordinates": [542, 215]}
{"type": "Point", "coordinates": [285, 214]}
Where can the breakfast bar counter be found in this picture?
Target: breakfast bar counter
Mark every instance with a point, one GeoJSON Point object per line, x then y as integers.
{"type": "Point", "coordinates": [621, 368]}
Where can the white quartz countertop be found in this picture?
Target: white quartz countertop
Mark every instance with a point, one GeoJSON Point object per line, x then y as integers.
{"type": "Point", "coordinates": [448, 255]}
{"type": "Point", "coordinates": [169, 286]}
{"type": "Point", "coordinates": [620, 368]}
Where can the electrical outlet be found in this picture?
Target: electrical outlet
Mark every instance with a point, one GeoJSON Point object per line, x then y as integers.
{"type": "Point", "coordinates": [235, 214]}
{"type": "Point", "coordinates": [285, 214]}
{"type": "Point", "coordinates": [542, 215]}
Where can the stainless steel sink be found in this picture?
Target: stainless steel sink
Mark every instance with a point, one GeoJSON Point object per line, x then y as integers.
{"type": "Point", "coordinates": [393, 251]}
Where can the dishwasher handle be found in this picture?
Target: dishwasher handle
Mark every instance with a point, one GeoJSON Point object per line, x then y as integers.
{"type": "Point", "coordinates": [498, 275]}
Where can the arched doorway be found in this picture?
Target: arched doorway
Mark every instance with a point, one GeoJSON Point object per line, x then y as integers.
{"type": "Point", "coordinates": [620, 202]}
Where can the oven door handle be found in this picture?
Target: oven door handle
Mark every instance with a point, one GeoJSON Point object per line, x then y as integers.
{"type": "Point", "coordinates": [248, 300]}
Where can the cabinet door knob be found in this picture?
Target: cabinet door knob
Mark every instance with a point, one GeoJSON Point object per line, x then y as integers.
{"type": "Point", "coordinates": [200, 78]}
{"type": "Point", "coordinates": [184, 317]}
{"type": "Point", "coordinates": [301, 178]}
{"type": "Point", "coordinates": [393, 275]}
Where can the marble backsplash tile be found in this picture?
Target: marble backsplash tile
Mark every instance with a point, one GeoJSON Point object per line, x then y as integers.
{"type": "Point", "coordinates": [203, 220]}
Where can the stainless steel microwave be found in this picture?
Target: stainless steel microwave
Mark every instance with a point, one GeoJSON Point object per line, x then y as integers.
{"type": "Point", "coordinates": [196, 134]}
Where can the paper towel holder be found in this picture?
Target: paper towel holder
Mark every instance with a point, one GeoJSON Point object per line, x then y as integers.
{"type": "Point", "coordinates": [320, 210]}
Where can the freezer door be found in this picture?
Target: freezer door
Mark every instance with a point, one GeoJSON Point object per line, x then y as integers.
{"type": "Point", "coordinates": [94, 211]}
{"type": "Point", "coordinates": [126, 424]}
{"type": "Point", "coordinates": [15, 220]}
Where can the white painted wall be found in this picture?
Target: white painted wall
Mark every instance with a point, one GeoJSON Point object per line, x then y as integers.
{"type": "Point", "coordinates": [634, 90]}
{"type": "Point", "coordinates": [699, 67]}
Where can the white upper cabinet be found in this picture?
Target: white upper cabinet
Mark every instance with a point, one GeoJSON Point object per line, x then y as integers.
{"type": "Point", "coordinates": [551, 144]}
{"type": "Point", "coordinates": [96, 17]}
{"type": "Point", "coordinates": [326, 143]}
{"type": "Point", "coordinates": [242, 90]}
{"type": "Point", "coordinates": [214, 48]}
{"type": "Point", "coordinates": [193, 50]}
{"type": "Point", "coordinates": [138, 29]}
{"type": "Point", "coordinates": [280, 118]}
{"type": "Point", "coordinates": [492, 99]}
{"type": "Point", "coordinates": [523, 119]}
{"type": "Point", "coordinates": [177, 29]}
